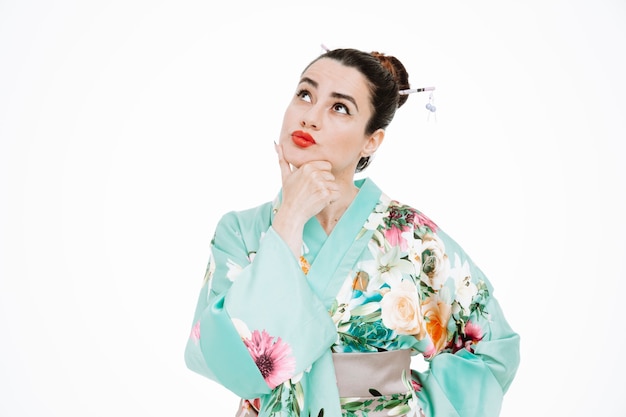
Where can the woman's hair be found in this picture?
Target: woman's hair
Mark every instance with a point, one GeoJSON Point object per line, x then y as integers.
{"type": "Point", "coordinates": [386, 76]}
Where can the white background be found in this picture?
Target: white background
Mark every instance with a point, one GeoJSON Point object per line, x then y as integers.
{"type": "Point", "coordinates": [128, 127]}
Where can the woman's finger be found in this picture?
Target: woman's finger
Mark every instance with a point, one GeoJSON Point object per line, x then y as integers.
{"type": "Point", "coordinates": [285, 167]}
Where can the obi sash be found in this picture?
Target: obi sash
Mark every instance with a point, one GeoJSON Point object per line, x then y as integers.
{"type": "Point", "coordinates": [359, 372]}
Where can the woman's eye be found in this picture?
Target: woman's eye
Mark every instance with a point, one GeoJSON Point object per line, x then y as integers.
{"type": "Point", "coordinates": [341, 108]}
{"type": "Point", "coordinates": [304, 95]}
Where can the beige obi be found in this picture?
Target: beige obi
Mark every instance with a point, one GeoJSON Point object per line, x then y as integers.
{"type": "Point", "coordinates": [374, 378]}
{"type": "Point", "coordinates": [358, 372]}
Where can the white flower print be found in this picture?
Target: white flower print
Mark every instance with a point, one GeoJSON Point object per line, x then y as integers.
{"type": "Point", "coordinates": [343, 299]}
{"type": "Point", "coordinates": [465, 289]}
{"type": "Point", "coordinates": [374, 220]}
{"type": "Point", "coordinates": [414, 248]}
{"type": "Point", "coordinates": [242, 328]}
{"type": "Point", "coordinates": [233, 270]}
{"type": "Point", "coordinates": [387, 267]}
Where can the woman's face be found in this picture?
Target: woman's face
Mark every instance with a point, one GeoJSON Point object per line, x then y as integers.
{"type": "Point", "coordinates": [327, 116]}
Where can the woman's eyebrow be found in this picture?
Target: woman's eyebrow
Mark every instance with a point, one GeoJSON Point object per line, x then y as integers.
{"type": "Point", "coordinates": [309, 81]}
{"type": "Point", "coordinates": [346, 97]}
{"type": "Point", "coordinates": [314, 83]}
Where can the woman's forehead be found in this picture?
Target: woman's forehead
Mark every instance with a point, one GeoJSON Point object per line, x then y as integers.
{"type": "Point", "coordinates": [329, 73]}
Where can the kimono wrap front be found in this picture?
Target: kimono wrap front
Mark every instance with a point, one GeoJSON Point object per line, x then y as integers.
{"type": "Point", "coordinates": [267, 325]}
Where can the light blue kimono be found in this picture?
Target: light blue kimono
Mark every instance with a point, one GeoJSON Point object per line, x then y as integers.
{"type": "Point", "coordinates": [386, 278]}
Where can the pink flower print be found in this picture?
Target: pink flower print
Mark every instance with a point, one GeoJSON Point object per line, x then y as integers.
{"type": "Point", "coordinates": [421, 220]}
{"type": "Point", "coordinates": [473, 331]}
{"type": "Point", "coordinates": [195, 332]}
{"type": "Point", "coordinates": [417, 387]}
{"type": "Point", "coordinates": [393, 235]}
{"type": "Point", "coordinates": [273, 358]}
{"type": "Point", "coordinates": [430, 350]}
{"type": "Point", "coordinates": [473, 335]}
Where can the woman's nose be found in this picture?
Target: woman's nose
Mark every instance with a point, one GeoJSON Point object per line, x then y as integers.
{"type": "Point", "coordinates": [311, 118]}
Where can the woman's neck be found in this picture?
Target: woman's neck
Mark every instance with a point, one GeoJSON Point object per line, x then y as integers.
{"type": "Point", "coordinates": [330, 216]}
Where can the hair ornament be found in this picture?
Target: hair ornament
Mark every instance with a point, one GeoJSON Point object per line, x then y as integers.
{"type": "Point", "coordinates": [430, 106]}
{"type": "Point", "coordinates": [415, 90]}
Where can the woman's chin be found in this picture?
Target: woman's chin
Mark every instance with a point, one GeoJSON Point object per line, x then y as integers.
{"type": "Point", "coordinates": [296, 157]}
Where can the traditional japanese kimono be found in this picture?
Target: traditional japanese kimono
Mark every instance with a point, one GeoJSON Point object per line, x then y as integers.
{"type": "Point", "coordinates": [287, 334]}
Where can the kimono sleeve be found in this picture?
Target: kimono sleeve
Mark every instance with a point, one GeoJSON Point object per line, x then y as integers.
{"type": "Point", "coordinates": [472, 384]}
{"type": "Point", "coordinates": [469, 377]}
{"type": "Point", "coordinates": [257, 322]}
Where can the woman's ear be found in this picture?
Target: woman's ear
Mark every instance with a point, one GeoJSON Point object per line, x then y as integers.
{"type": "Point", "coordinates": [373, 142]}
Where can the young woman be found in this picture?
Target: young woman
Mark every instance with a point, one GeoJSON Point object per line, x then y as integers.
{"type": "Point", "coordinates": [314, 303]}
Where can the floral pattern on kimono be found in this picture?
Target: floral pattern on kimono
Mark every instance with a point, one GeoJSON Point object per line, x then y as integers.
{"type": "Point", "coordinates": [387, 278]}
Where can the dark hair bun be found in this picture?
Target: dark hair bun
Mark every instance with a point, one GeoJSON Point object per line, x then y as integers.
{"type": "Point", "coordinates": [398, 72]}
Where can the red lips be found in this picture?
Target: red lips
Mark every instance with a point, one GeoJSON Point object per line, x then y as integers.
{"type": "Point", "coordinates": [302, 139]}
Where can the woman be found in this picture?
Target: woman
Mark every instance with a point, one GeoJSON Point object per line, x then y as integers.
{"type": "Point", "coordinates": [314, 303]}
